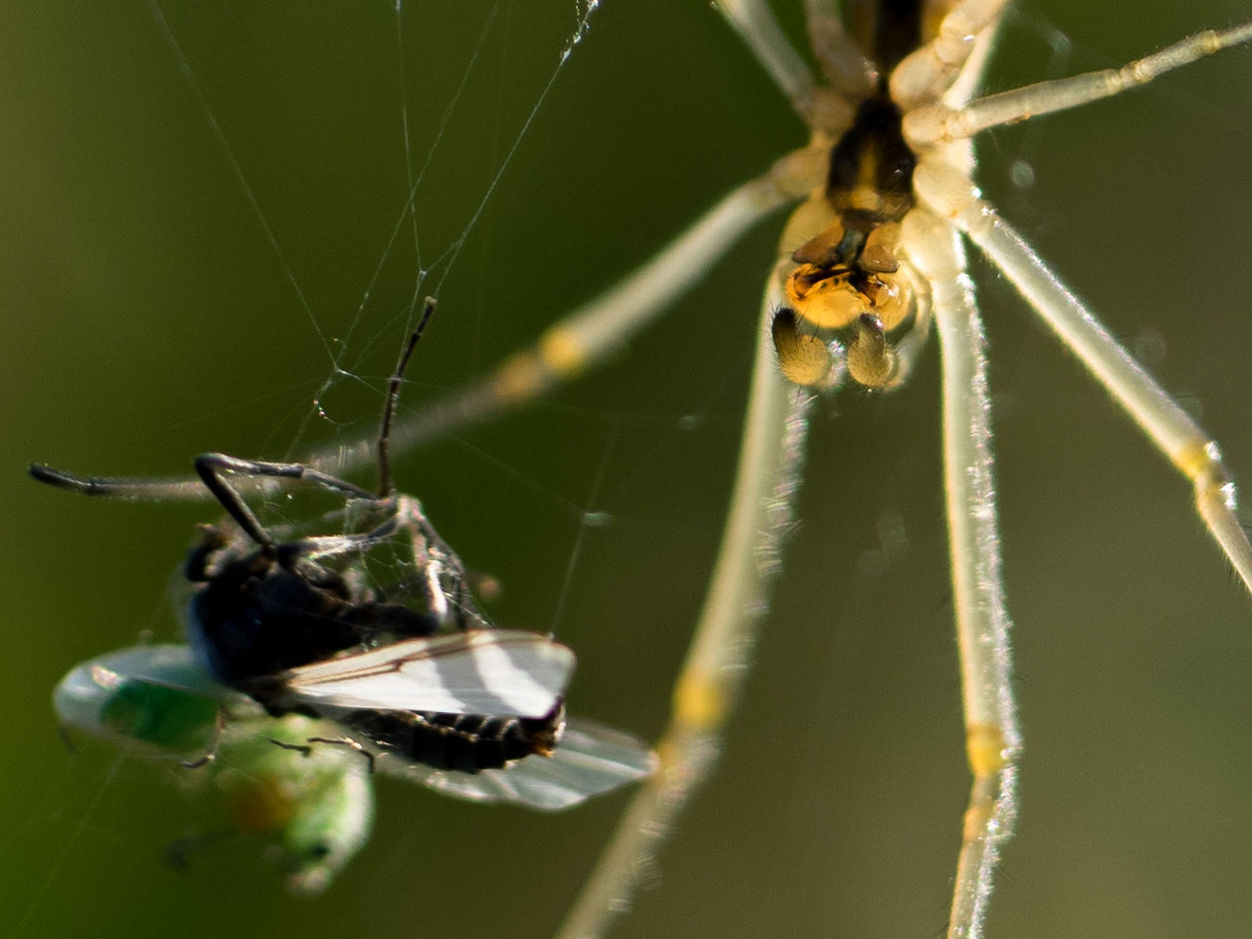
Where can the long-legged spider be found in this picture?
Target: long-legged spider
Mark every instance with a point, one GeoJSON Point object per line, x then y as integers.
{"type": "Point", "coordinates": [857, 615]}
{"type": "Point", "coordinates": [889, 208]}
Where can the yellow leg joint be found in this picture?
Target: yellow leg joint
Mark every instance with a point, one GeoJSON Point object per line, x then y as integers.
{"type": "Point", "coordinates": [974, 823]}
{"type": "Point", "coordinates": [520, 378]}
{"type": "Point", "coordinates": [985, 749]}
{"type": "Point", "coordinates": [698, 703]}
{"type": "Point", "coordinates": [562, 353]}
{"type": "Point", "coordinates": [1197, 458]}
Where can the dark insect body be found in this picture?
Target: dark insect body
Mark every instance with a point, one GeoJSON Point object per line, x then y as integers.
{"type": "Point", "coordinates": [306, 624]}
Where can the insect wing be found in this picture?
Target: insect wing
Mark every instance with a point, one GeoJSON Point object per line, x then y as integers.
{"type": "Point", "coordinates": [591, 759]}
{"type": "Point", "coordinates": [156, 695]}
{"type": "Point", "coordinates": [500, 672]}
{"type": "Point", "coordinates": [314, 805]}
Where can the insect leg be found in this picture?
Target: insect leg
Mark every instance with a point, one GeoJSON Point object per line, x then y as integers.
{"type": "Point", "coordinates": [210, 753]}
{"type": "Point", "coordinates": [213, 469]}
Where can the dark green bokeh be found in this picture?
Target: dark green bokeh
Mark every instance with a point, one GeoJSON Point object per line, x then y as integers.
{"type": "Point", "coordinates": [149, 321]}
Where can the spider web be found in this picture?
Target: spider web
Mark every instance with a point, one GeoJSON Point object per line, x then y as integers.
{"type": "Point", "coordinates": [333, 169]}
{"type": "Point", "coordinates": [373, 118]}
{"type": "Point", "coordinates": [221, 354]}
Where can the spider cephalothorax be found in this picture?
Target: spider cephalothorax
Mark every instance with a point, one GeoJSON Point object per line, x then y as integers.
{"type": "Point", "coordinates": [849, 289]}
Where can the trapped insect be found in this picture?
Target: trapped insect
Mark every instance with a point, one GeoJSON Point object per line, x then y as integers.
{"type": "Point", "coordinates": [293, 780]}
{"type": "Point", "coordinates": [353, 627]}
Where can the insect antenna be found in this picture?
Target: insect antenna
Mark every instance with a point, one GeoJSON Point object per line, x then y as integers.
{"type": "Point", "coordinates": [393, 396]}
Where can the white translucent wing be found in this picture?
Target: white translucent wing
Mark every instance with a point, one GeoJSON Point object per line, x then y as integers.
{"type": "Point", "coordinates": [499, 672]}
{"type": "Point", "coordinates": [589, 760]}
{"type": "Point", "coordinates": [155, 697]}
{"type": "Point", "coordinates": [80, 693]}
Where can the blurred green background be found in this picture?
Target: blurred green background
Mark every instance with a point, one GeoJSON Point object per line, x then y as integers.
{"type": "Point", "coordinates": [147, 319]}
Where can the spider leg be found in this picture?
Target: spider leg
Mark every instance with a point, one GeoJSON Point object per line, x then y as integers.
{"type": "Point", "coordinates": [756, 25]}
{"type": "Point", "coordinates": [749, 560]}
{"type": "Point", "coordinates": [843, 63]}
{"type": "Point", "coordinates": [1161, 418]}
{"type": "Point", "coordinates": [598, 329]}
{"type": "Point", "coordinates": [925, 75]}
{"type": "Point", "coordinates": [993, 741]}
{"type": "Point", "coordinates": [938, 123]}
{"type": "Point", "coordinates": [580, 341]}
{"type": "Point", "coordinates": [909, 346]}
